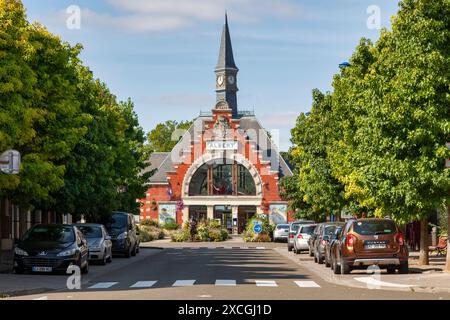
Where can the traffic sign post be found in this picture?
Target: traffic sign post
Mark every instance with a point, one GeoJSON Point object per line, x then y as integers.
{"type": "Point", "coordinates": [10, 162]}
{"type": "Point", "coordinates": [257, 228]}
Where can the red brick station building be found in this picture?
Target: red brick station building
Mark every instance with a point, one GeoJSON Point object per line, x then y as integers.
{"type": "Point", "coordinates": [224, 167]}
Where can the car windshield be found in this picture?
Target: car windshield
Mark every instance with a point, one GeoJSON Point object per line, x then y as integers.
{"type": "Point", "coordinates": [91, 231]}
{"type": "Point", "coordinates": [295, 227]}
{"type": "Point", "coordinates": [50, 233]}
{"type": "Point", "coordinates": [282, 226]}
{"type": "Point", "coordinates": [307, 229]}
{"type": "Point", "coordinates": [329, 230]}
{"type": "Point", "coordinates": [117, 221]}
{"type": "Point", "coordinates": [373, 227]}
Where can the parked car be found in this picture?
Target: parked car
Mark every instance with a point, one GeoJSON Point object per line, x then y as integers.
{"type": "Point", "coordinates": [99, 242]}
{"type": "Point", "coordinates": [301, 238]}
{"type": "Point", "coordinates": [281, 232]}
{"type": "Point", "coordinates": [333, 238]}
{"type": "Point", "coordinates": [366, 242]}
{"type": "Point", "coordinates": [124, 234]}
{"type": "Point", "coordinates": [293, 228]}
{"type": "Point", "coordinates": [51, 248]}
{"type": "Point", "coordinates": [319, 240]}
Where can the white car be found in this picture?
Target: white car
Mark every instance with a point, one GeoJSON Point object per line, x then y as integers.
{"type": "Point", "coordinates": [281, 232]}
{"type": "Point", "coordinates": [302, 236]}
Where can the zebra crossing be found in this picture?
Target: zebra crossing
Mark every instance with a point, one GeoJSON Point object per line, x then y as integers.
{"type": "Point", "coordinates": [219, 282]}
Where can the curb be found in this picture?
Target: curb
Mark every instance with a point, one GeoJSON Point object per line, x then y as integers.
{"type": "Point", "coordinates": [333, 279]}
{"type": "Point", "coordinates": [26, 292]}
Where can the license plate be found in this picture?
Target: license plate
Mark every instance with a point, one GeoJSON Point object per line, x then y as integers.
{"type": "Point", "coordinates": [41, 269]}
{"type": "Point", "coordinates": [375, 246]}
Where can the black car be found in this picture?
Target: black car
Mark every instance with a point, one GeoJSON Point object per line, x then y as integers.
{"type": "Point", "coordinates": [124, 234]}
{"type": "Point", "coordinates": [333, 238]}
{"type": "Point", "coordinates": [320, 238]}
{"type": "Point", "coordinates": [51, 248]}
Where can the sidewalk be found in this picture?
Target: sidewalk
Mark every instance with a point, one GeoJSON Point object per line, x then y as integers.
{"type": "Point", "coordinates": [25, 284]}
{"type": "Point", "coordinates": [428, 279]}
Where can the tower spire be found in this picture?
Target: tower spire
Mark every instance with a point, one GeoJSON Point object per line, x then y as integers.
{"type": "Point", "coordinates": [226, 58]}
{"type": "Point", "coordinates": [226, 71]}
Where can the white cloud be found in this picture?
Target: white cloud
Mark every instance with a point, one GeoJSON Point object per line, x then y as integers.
{"type": "Point", "coordinates": [168, 15]}
{"type": "Point", "coordinates": [135, 22]}
{"type": "Point", "coordinates": [210, 9]}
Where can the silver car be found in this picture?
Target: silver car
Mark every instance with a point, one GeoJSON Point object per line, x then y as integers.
{"type": "Point", "coordinates": [301, 238]}
{"type": "Point", "coordinates": [281, 232]}
{"type": "Point", "coordinates": [293, 228]}
{"type": "Point", "coordinates": [99, 242]}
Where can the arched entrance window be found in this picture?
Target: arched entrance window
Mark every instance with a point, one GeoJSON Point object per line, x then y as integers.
{"type": "Point", "coordinates": [221, 178]}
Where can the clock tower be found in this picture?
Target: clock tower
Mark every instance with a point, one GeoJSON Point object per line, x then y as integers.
{"type": "Point", "coordinates": [226, 72]}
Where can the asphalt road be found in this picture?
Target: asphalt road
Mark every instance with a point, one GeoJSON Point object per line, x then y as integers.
{"type": "Point", "coordinates": [218, 273]}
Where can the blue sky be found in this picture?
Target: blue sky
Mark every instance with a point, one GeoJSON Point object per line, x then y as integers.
{"type": "Point", "coordinates": [162, 53]}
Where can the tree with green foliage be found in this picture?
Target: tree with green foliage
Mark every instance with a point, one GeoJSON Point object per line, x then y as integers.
{"type": "Point", "coordinates": [82, 151]}
{"type": "Point", "coordinates": [311, 137]}
{"type": "Point", "coordinates": [401, 122]}
{"type": "Point", "coordinates": [166, 135]}
{"type": "Point", "coordinates": [57, 122]}
{"type": "Point", "coordinates": [17, 86]}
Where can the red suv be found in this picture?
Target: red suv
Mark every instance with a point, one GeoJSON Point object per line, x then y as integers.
{"type": "Point", "coordinates": [366, 242]}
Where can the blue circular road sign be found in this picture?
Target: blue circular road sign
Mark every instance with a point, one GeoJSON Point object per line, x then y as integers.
{"type": "Point", "coordinates": [257, 228]}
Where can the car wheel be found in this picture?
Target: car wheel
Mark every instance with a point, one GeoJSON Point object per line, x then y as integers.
{"type": "Point", "coordinates": [335, 267]}
{"type": "Point", "coordinates": [18, 270]}
{"type": "Point", "coordinates": [85, 269]}
{"type": "Point", "coordinates": [390, 270]}
{"type": "Point", "coordinates": [128, 253]}
{"type": "Point", "coordinates": [109, 260]}
{"type": "Point", "coordinates": [289, 248]}
{"type": "Point", "coordinates": [104, 261]}
{"type": "Point", "coordinates": [403, 268]}
{"type": "Point", "coordinates": [133, 252]}
{"type": "Point", "coordinates": [345, 268]}
{"type": "Point", "coordinates": [137, 248]}
{"type": "Point", "coordinates": [327, 262]}
{"type": "Point", "coordinates": [319, 259]}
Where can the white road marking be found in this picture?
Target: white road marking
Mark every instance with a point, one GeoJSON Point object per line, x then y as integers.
{"type": "Point", "coordinates": [183, 283]}
{"type": "Point", "coordinates": [221, 282]}
{"type": "Point", "coordinates": [375, 282]}
{"type": "Point", "coordinates": [266, 283]}
{"type": "Point", "coordinates": [228, 247]}
{"type": "Point", "coordinates": [205, 296]}
{"type": "Point", "coordinates": [260, 248]}
{"type": "Point", "coordinates": [103, 285]}
{"type": "Point", "coordinates": [143, 284]}
{"type": "Point", "coordinates": [41, 298]}
{"type": "Point", "coordinates": [307, 284]}
{"type": "Point", "coordinates": [244, 247]}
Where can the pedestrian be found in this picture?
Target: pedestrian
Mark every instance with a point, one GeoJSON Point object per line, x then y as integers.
{"type": "Point", "coordinates": [193, 229]}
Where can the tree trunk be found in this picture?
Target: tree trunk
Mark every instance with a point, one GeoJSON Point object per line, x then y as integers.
{"type": "Point", "coordinates": [447, 264]}
{"type": "Point", "coordinates": [423, 257]}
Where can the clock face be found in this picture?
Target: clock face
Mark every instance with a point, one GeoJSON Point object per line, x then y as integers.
{"type": "Point", "coordinates": [220, 80]}
{"type": "Point", "coordinates": [231, 79]}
